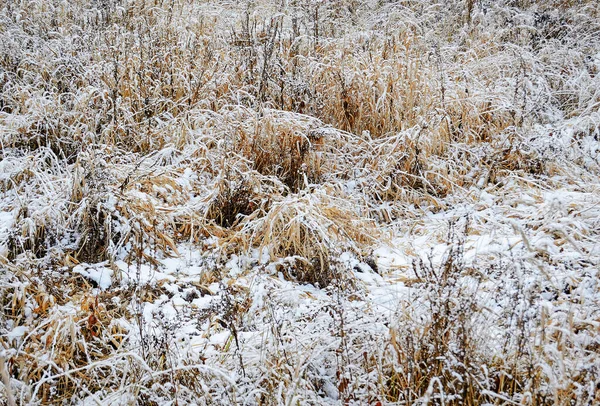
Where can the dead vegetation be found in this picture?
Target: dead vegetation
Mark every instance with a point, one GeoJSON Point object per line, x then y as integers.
{"type": "Point", "coordinates": [311, 229]}
{"type": "Point", "coordinates": [287, 141]}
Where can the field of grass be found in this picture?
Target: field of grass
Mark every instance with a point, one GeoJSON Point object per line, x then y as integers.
{"type": "Point", "coordinates": [300, 202]}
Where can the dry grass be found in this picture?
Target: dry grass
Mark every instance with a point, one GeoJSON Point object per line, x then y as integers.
{"type": "Point", "coordinates": [305, 130]}
{"type": "Point", "coordinates": [311, 229]}
{"type": "Point", "coordinates": [442, 349]}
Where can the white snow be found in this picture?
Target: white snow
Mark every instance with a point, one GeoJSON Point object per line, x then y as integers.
{"type": "Point", "coordinates": [99, 274]}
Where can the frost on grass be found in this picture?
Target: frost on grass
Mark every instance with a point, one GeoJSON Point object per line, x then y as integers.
{"type": "Point", "coordinates": [300, 203]}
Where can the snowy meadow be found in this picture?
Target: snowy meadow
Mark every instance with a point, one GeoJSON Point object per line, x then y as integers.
{"type": "Point", "coordinates": [300, 202]}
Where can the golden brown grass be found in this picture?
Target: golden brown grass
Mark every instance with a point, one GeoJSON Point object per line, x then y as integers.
{"type": "Point", "coordinates": [127, 128]}
{"type": "Point", "coordinates": [312, 228]}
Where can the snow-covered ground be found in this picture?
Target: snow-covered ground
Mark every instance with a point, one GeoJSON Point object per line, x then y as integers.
{"type": "Point", "coordinates": [300, 202]}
